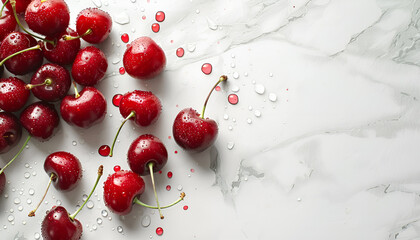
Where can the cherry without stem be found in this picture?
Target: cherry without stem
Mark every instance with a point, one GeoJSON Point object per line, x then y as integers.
{"type": "Point", "coordinates": [13, 94]}
{"type": "Point", "coordinates": [7, 24]}
{"type": "Point", "coordinates": [89, 66]}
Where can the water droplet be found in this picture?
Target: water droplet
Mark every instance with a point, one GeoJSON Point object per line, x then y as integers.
{"type": "Point", "coordinates": [122, 18]}
{"type": "Point", "coordinates": [299, 199]}
{"type": "Point", "coordinates": [17, 200]}
{"type": "Point", "coordinates": [122, 70]}
{"type": "Point", "coordinates": [211, 24]}
{"type": "Point", "coordinates": [235, 75]}
{"type": "Point", "coordinates": [145, 221]}
{"type": "Point", "coordinates": [217, 88]}
{"type": "Point", "coordinates": [33, 173]}
{"type": "Point", "coordinates": [116, 60]}
{"type": "Point", "coordinates": [270, 74]}
{"type": "Point", "coordinates": [142, 9]}
{"type": "Point", "coordinates": [230, 145]}
{"type": "Point", "coordinates": [90, 204]}
{"type": "Point", "coordinates": [249, 120]}
{"type": "Point", "coordinates": [233, 99]}
{"type": "Point", "coordinates": [117, 168]}
{"type": "Point", "coordinates": [74, 143]}
{"type": "Point", "coordinates": [180, 52]}
{"type": "Point", "coordinates": [120, 229]}
{"type": "Point", "coordinates": [104, 213]}
{"type": "Point", "coordinates": [160, 16]}
{"type": "Point", "coordinates": [143, 17]}
{"type": "Point", "coordinates": [260, 89]}
{"type": "Point", "coordinates": [185, 207]}
{"type": "Point", "coordinates": [99, 221]}
{"type": "Point", "coordinates": [29, 201]}
{"type": "Point", "coordinates": [159, 231]}
{"type": "Point", "coordinates": [257, 113]}
{"type": "Point", "coordinates": [94, 227]}
{"type": "Point", "coordinates": [11, 210]}
{"type": "Point", "coordinates": [125, 38]}
{"type": "Point", "coordinates": [170, 174]}
{"type": "Point", "coordinates": [97, 3]}
{"type": "Point", "coordinates": [58, 203]}
{"type": "Point", "coordinates": [191, 47]}
{"type": "Point", "coordinates": [155, 27]}
{"type": "Point", "coordinates": [226, 117]}
{"type": "Point", "coordinates": [37, 236]}
{"type": "Point", "coordinates": [168, 187]}
{"type": "Point", "coordinates": [10, 218]}
{"type": "Point", "coordinates": [31, 191]}
{"type": "Point", "coordinates": [179, 187]}
{"type": "Point", "coordinates": [230, 128]}
{"type": "Point", "coordinates": [84, 197]}
{"type": "Point", "coordinates": [192, 170]}
{"type": "Point", "coordinates": [272, 97]}
{"type": "Point", "coordinates": [235, 89]}
{"type": "Point", "coordinates": [104, 150]}
{"type": "Point", "coordinates": [250, 108]}
{"type": "Point", "coordinates": [117, 99]}
{"type": "Point", "coordinates": [26, 165]}
{"type": "Point", "coordinates": [27, 175]}
{"type": "Point", "coordinates": [232, 55]}
{"type": "Point", "coordinates": [206, 68]}
{"type": "Point", "coordinates": [20, 208]}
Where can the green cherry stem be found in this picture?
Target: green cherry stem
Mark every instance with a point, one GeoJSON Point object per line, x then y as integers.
{"type": "Point", "coordinates": [37, 47]}
{"type": "Point", "coordinates": [17, 155]}
{"type": "Point", "coordinates": [150, 165]}
{"type": "Point", "coordinates": [68, 37]}
{"type": "Point", "coordinates": [2, 8]}
{"type": "Point", "coordinates": [132, 114]}
{"type": "Point", "coordinates": [136, 201]}
{"type": "Point", "coordinates": [53, 177]}
{"type": "Point", "coordinates": [221, 79]}
{"type": "Point", "coordinates": [47, 82]}
{"type": "Point", "coordinates": [100, 172]}
{"type": "Point", "coordinates": [76, 92]}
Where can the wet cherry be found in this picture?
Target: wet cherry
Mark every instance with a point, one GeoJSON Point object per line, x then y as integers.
{"type": "Point", "coordinates": [65, 51]}
{"type": "Point", "coordinates": [13, 94]}
{"type": "Point", "coordinates": [10, 131]}
{"type": "Point", "coordinates": [89, 67]}
{"type": "Point", "coordinates": [94, 25]}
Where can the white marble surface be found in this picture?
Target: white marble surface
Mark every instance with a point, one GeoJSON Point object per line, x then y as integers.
{"type": "Point", "coordinates": [336, 156]}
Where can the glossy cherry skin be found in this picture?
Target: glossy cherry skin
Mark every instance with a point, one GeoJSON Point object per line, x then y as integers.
{"type": "Point", "coordinates": [65, 51]}
{"type": "Point", "coordinates": [86, 110]}
{"type": "Point", "coordinates": [89, 67]}
{"type": "Point", "coordinates": [144, 150]}
{"type": "Point", "coordinates": [2, 181]}
{"type": "Point", "coordinates": [120, 189]}
{"type": "Point", "coordinates": [145, 105]}
{"type": "Point", "coordinates": [7, 24]}
{"type": "Point", "coordinates": [57, 225]}
{"type": "Point", "coordinates": [25, 62]}
{"type": "Point", "coordinates": [98, 21]}
{"type": "Point", "coordinates": [13, 94]}
{"type": "Point", "coordinates": [40, 119]}
{"type": "Point", "coordinates": [1, 71]}
{"type": "Point", "coordinates": [21, 5]}
{"type": "Point", "coordinates": [144, 59]}
{"type": "Point", "coordinates": [66, 167]}
{"type": "Point", "coordinates": [48, 18]}
{"type": "Point", "coordinates": [59, 87]}
{"type": "Point", "coordinates": [10, 131]}
{"type": "Point", "coordinates": [191, 132]}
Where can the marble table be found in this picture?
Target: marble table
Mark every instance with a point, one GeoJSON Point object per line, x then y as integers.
{"type": "Point", "coordinates": [322, 144]}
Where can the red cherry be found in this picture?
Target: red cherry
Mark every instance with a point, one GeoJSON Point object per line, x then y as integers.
{"type": "Point", "coordinates": [10, 131]}
{"type": "Point", "coordinates": [48, 18]}
{"type": "Point", "coordinates": [85, 110]}
{"type": "Point", "coordinates": [67, 169]}
{"type": "Point", "coordinates": [57, 225]}
{"type": "Point", "coordinates": [94, 25]}
{"type": "Point", "coordinates": [144, 150]}
{"type": "Point", "coordinates": [191, 131]}
{"type": "Point", "coordinates": [89, 67]}
{"type": "Point", "coordinates": [2, 182]}
{"type": "Point", "coordinates": [40, 119]}
{"type": "Point", "coordinates": [20, 7]}
{"type": "Point", "coordinates": [25, 62]}
{"type": "Point", "coordinates": [7, 24]}
{"type": "Point", "coordinates": [144, 59]}
{"type": "Point", "coordinates": [120, 190]}
{"type": "Point", "coordinates": [13, 94]}
{"type": "Point", "coordinates": [65, 51]}
{"type": "Point", "coordinates": [50, 82]}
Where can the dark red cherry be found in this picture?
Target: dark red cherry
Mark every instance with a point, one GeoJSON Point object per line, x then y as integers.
{"type": "Point", "coordinates": [67, 169]}
{"type": "Point", "coordinates": [56, 82]}
{"type": "Point", "coordinates": [144, 59]}
{"type": "Point", "coordinates": [95, 21]}
{"type": "Point", "coordinates": [7, 24]}
{"type": "Point", "coordinates": [57, 225]}
{"type": "Point", "coordinates": [65, 51]}
{"type": "Point", "coordinates": [145, 105]}
{"type": "Point", "coordinates": [85, 110]}
{"type": "Point", "coordinates": [89, 67]}
{"type": "Point", "coordinates": [120, 189]}
{"type": "Point", "coordinates": [47, 17]}
{"type": "Point", "coordinates": [2, 182]}
{"type": "Point", "coordinates": [40, 119]}
{"type": "Point", "coordinates": [25, 62]}
{"type": "Point", "coordinates": [10, 131]}
{"type": "Point", "coordinates": [13, 94]}
{"type": "Point", "coordinates": [144, 150]}
{"type": "Point", "coordinates": [20, 6]}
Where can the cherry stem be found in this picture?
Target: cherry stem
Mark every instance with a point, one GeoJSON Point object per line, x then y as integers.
{"type": "Point", "coordinates": [13, 3]}
{"type": "Point", "coordinates": [136, 201]}
{"type": "Point", "coordinates": [53, 177]}
{"type": "Point", "coordinates": [100, 172]}
{"type": "Point", "coordinates": [68, 37]}
{"type": "Point", "coordinates": [76, 93]}
{"type": "Point", "coordinates": [47, 82]}
{"type": "Point", "coordinates": [132, 114]}
{"type": "Point", "coordinates": [221, 79]}
{"type": "Point", "coordinates": [17, 155]}
{"type": "Point", "coordinates": [150, 165]}
{"type": "Point", "coordinates": [4, 4]}
{"type": "Point", "coordinates": [17, 53]}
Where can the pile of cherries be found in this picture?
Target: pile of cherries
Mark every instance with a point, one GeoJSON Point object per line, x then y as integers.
{"type": "Point", "coordinates": [23, 52]}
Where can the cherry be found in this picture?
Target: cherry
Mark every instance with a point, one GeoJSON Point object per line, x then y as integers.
{"type": "Point", "coordinates": [50, 82]}
{"type": "Point", "coordinates": [20, 53]}
{"type": "Point", "coordinates": [48, 18]}
{"type": "Point", "coordinates": [65, 51]}
{"type": "Point", "coordinates": [10, 131]}
{"type": "Point", "coordinates": [65, 172]}
{"type": "Point", "coordinates": [13, 94]}
{"type": "Point", "coordinates": [58, 224]}
{"type": "Point", "coordinates": [85, 109]}
{"type": "Point", "coordinates": [141, 106]}
{"type": "Point", "coordinates": [7, 24]}
{"type": "Point", "coordinates": [191, 131]}
{"type": "Point", "coordinates": [2, 182]}
{"type": "Point", "coordinates": [146, 155]}
{"type": "Point", "coordinates": [40, 119]}
{"type": "Point", "coordinates": [122, 189]}
{"type": "Point", "coordinates": [93, 25]}
{"type": "Point", "coordinates": [89, 67]}
{"type": "Point", "coordinates": [1, 71]}
{"type": "Point", "coordinates": [20, 5]}
{"type": "Point", "coordinates": [144, 59]}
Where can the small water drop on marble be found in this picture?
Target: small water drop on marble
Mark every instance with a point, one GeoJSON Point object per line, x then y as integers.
{"type": "Point", "coordinates": [179, 187]}
{"type": "Point", "coordinates": [270, 74]}
{"type": "Point", "coordinates": [97, 3]}
{"type": "Point", "coordinates": [24, 222]}
{"type": "Point", "coordinates": [99, 221]}
{"type": "Point", "coordinates": [17, 200]}
{"type": "Point", "coordinates": [26, 165]}
{"type": "Point", "coordinates": [11, 210]}
{"type": "Point", "coordinates": [230, 145]}
{"type": "Point", "coordinates": [142, 9]}
{"type": "Point", "coordinates": [27, 175]}
{"type": "Point", "coordinates": [33, 173]}
{"type": "Point", "coordinates": [235, 89]}
{"type": "Point", "coordinates": [299, 199]}
{"type": "Point", "coordinates": [20, 208]}
{"type": "Point", "coordinates": [257, 113]}
{"type": "Point", "coordinates": [4, 226]}
{"type": "Point", "coordinates": [272, 97]}
{"type": "Point", "coordinates": [37, 235]}
{"type": "Point", "coordinates": [133, 1]}
{"type": "Point", "coordinates": [104, 213]}
{"type": "Point", "coordinates": [230, 128]}
{"type": "Point", "coordinates": [120, 229]}
{"type": "Point", "coordinates": [29, 201]}
{"type": "Point", "coordinates": [197, 11]}
{"type": "Point", "coordinates": [233, 119]}
{"type": "Point", "coordinates": [235, 75]}
{"type": "Point", "coordinates": [74, 143]}
{"type": "Point", "coordinates": [10, 218]}
{"type": "Point", "coordinates": [260, 89]}
{"type": "Point", "coordinates": [27, 146]}
{"type": "Point", "coordinates": [249, 120]}
{"type": "Point", "coordinates": [109, 218]}
{"type": "Point", "coordinates": [145, 221]}
{"type": "Point", "coordinates": [31, 191]}
{"type": "Point", "coordinates": [90, 204]}
{"type": "Point", "coordinates": [191, 47]}
{"type": "Point", "coordinates": [116, 60]}
{"type": "Point", "coordinates": [211, 24]}
{"type": "Point", "coordinates": [84, 197]}
{"type": "Point", "coordinates": [226, 117]}
{"type": "Point", "coordinates": [233, 65]}
{"type": "Point", "coordinates": [122, 18]}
